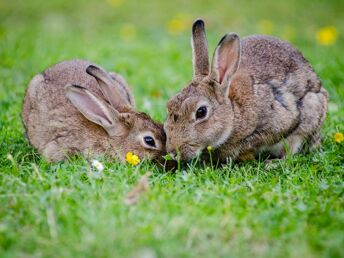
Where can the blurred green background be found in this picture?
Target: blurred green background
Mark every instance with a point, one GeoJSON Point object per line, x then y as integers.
{"type": "Point", "coordinates": [149, 41]}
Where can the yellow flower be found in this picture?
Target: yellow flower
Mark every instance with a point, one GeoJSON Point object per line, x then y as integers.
{"type": "Point", "coordinates": [115, 3]}
{"type": "Point", "coordinates": [266, 27]}
{"type": "Point", "coordinates": [209, 148]}
{"type": "Point", "coordinates": [338, 137]}
{"type": "Point", "coordinates": [132, 158]}
{"type": "Point", "coordinates": [327, 35]}
{"type": "Point", "coordinates": [178, 24]}
{"type": "Point", "coordinates": [128, 31]}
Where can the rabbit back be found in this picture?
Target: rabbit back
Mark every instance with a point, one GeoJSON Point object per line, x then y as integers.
{"type": "Point", "coordinates": [269, 60]}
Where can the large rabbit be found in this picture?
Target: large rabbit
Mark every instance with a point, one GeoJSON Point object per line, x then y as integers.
{"type": "Point", "coordinates": [77, 107]}
{"type": "Point", "coordinates": [260, 94]}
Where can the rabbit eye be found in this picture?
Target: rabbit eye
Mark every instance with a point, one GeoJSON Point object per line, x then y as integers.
{"type": "Point", "coordinates": [149, 141]}
{"type": "Point", "coordinates": [201, 112]}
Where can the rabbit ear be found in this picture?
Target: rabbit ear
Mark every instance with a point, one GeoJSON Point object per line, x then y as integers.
{"type": "Point", "coordinates": [124, 86]}
{"type": "Point", "coordinates": [95, 109]}
{"type": "Point", "coordinates": [200, 56]}
{"type": "Point", "coordinates": [226, 59]}
{"type": "Point", "coordinates": [111, 89]}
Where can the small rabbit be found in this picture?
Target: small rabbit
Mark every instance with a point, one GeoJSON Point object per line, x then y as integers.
{"type": "Point", "coordinates": [76, 107]}
{"type": "Point", "coordinates": [260, 94]}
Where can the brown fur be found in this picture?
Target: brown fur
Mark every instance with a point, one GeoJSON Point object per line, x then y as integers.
{"type": "Point", "coordinates": [57, 129]}
{"type": "Point", "coordinates": [200, 51]}
{"type": "Point", "coordinates": [273, 97]}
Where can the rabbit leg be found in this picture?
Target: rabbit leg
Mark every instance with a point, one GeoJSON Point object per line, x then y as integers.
{"type": "Point", "coordinates": [59, 148]}
{"type": "Point", "coordinates": [291, 145]}
{"type": "Point", "coordinates": [246, 156]}
{"type": "Point", "coordinates": [312, 115]}
{"type": "Point", "coordinates": [314, 138]}
{"type": "Point", "coordinates": [276, 151]}
{"type": "Point", "coordinates": [294, 144]}
{"type": "Point", "coordinates": [315, 141]}
{"type": "Point", "coordinates": [53, 152]}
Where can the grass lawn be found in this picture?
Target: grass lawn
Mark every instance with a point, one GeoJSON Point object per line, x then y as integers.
{"type": "Point", "coordinates": [62, 210]}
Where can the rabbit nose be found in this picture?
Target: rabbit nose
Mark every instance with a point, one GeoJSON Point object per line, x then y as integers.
{"type": "Point", "coordinates": [171, 149]}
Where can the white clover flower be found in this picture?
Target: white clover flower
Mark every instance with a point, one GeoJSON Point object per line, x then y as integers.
{"type": "Point", "coordinates": [98, 165]}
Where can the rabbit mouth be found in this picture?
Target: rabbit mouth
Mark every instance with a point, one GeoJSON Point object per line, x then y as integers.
{"type": "Point", "coordinates": [188, 152]}
{"type": "Point", "coordinates": [185, 151]}
{"type": "Point", "coordinates": [167, 165]}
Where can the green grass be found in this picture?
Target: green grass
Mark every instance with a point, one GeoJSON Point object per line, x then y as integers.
{"type": "Point", "coordinates": [60, 210]}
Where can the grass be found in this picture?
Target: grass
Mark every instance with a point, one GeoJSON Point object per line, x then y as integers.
{"type": "Point", "coordinates": [60, 210]}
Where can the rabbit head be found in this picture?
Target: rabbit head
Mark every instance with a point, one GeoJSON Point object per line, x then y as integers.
{"type": "Point", "coordinates": [201, 114]}
{"type": "Point", "coordinates": [127, 129]}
